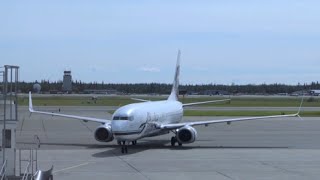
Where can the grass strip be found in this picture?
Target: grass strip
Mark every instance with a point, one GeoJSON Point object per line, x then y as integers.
{"type": "Point", "coordinates": [123, 100]}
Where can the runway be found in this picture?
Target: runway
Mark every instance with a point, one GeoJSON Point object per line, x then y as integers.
{"type": "Point", "coordinates": [270, 149]}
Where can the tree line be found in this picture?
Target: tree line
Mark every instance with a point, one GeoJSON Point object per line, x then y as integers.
{"type": "Point", "coordinates": [163, 88]}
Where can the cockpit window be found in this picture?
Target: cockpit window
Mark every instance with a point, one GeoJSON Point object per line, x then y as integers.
{"type": "Point", "coordinates": [122, 118]}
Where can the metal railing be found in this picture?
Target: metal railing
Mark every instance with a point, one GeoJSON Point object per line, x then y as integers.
{"type": "Point", "coordinates": [32, 161]}
{"type": "Point", "coordinates": [3, 170]}
{"type": "Point", "coordinates": [26, 172]}
{"type": "Point", "coordinates": [9, 88]}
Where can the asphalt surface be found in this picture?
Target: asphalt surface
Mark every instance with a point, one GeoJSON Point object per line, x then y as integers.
{"type": "Point", "coordinates": [269, 149]}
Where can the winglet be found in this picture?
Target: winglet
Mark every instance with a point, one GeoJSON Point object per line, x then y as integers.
{"type": "Point", "coordinates": [30, 103]}
{"type": "Point", "coordinates": [301, 104]}
{"type": "Point", "coordinates": [175, 87]}
{"type": "Point", "coordinates": [298, 113]}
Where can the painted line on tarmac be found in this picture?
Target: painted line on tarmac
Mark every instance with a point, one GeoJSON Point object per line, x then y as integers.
{"type": "Point", "coordinates": [72, 167]}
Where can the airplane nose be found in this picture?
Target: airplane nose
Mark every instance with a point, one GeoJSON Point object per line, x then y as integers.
{"type": "Point", "coordinates": [119, 125]}
{"type": "Point", "coordinates": [124, 131]}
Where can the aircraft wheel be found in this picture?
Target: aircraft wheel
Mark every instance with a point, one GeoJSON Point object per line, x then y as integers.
{"type": "Point", "coordinates": [119, 142]}
{"type": "Point", "coordinates": [122, 150]}
{"type": "Point", "coordinates": [173, 141]}
{"type": "Point", "coordinates": [180, 144]}
{"type": "Point", "coordinates": [126, 149]}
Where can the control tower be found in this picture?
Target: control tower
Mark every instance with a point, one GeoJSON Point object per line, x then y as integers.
{"type": "Point", "coordinates": [67, 82]}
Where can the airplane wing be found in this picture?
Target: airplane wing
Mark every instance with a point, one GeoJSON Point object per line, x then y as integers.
{"type": "Point", "coordinates": [205, 102]}
{"type": "Point", "coordinates": [179, 125]}
{"type": "Point", "coordinates": [197, 123]}
{"type": "Point", "coordinates": [104, 121]}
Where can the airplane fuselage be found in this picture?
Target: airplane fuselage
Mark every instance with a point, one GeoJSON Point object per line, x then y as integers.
{"type": "Point", "coordinates": [138, 120]}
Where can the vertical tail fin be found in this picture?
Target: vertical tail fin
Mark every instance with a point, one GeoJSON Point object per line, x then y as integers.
{"type": "Point", "coordinates": [175, 87]}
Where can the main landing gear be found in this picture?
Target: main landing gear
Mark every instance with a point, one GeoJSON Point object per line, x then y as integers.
{"type": "Point", "coordinates": [134, 142]}
{"type": "Point", "coordinates": [124, 147]}
{"type": "Point", "coordinates": [174, 141]}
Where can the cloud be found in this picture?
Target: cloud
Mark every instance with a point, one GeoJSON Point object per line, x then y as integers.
{"type": "Point", "coordinates": [93, 69]}
{"type": "Point", "coordinates": [149, 69]}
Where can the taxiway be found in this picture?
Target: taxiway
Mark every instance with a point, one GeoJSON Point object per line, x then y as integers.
{"type": "Point", "coordinates": [270, 149]}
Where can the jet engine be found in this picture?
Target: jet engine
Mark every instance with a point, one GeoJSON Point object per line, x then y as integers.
{"type": "Point", "coordinates": [186, 134]}
{"type": "Point", "coordinates": [103, 133]}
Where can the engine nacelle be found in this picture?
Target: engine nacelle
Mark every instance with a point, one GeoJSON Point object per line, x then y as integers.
{"type": "Point", "coordinates": [186, 134]}
{"type": "Point", "coordinates": [103, 133]}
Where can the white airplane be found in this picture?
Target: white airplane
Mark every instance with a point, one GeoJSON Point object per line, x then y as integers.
{"type": "Point", "coordinates": [152, 118]}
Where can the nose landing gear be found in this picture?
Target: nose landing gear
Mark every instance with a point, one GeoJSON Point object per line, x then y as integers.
{"type": "Point", "coordinates": [124, 148]}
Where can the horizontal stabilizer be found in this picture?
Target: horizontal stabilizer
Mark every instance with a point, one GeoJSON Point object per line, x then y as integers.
{"type": "Point", "coordinates": [142, 100]}
{"type": "Point", "coordinates": [205, 102]}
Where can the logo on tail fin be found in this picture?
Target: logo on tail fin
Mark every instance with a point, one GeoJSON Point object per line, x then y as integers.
{"type": "Point", "coordinates": [175, 87]}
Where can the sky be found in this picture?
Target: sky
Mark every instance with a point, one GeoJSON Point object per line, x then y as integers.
{"type": "Point", "coordinates": [125, 41]}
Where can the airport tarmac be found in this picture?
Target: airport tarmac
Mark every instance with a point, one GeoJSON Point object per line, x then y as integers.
{"type": "Point", "coordinates": [198, 108]}
{"type": "Point", "coordinates": [269, 149]}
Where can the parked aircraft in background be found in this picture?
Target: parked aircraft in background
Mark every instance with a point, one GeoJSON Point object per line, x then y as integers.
{"type": "Point", "coordinates": [135, 121]}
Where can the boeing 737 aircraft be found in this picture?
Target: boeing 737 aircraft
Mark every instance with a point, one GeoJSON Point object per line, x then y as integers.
{"type": "Point", "coordinates": [151, 118]}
